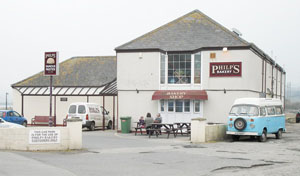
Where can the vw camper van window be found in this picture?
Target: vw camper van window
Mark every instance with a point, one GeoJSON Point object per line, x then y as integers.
{"type": "Point", "coordinates": [244, 110]}
{"type": "Point", "coordinates": [271, 110]}
{"type": "Point", "coordinates": [278, 110]}
{"type": "Point", "coordinates": [263, 111]}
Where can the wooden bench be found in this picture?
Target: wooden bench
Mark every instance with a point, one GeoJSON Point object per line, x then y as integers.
{"type": "Point", "coordinates": [42, 121]}
{"type": "Point", "coordinates": [172, 131]}
{"type": "Point", "coordinates": [139, 127]}
{"type": "Point", "coordinates": [154, 131]}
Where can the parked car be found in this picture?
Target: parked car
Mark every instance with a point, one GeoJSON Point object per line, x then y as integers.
{"type": "Point", "coordinates": [91, 115]}
{"type": "Point", "coordinates": [256, 117]}
{"type": "Point", "coordinates": [298, 117]}
{"type": "Point", "coordinates": [4, 124]}
{"type": "Point", "coordinates": [13, 117]}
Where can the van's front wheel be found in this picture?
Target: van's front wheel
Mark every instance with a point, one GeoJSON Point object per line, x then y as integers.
{"type": "Point", "coordinates": [263, 137]}
{"type": "Point", "coordinates": [279, 134]}
{"type": "Point", "coordinates": [109, 125]}
{"type": "Point", "coordinates": [92, 127]}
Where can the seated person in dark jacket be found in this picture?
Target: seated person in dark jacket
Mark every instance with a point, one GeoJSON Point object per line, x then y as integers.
{"type": "Point", "coordinates": [148, 122]}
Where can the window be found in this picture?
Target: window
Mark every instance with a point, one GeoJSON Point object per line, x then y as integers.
{"type": "Point", "coordinates": [197, 106]}
{"type": "Point", "coordinates": [186, 105]}
{"type": "Point", "coordinates": [81, 109]}
{"type": "Point", "coordinates": [271, 110]}
{"type": "Point", "coordinates": [278, 110]}
{"type": "Point", "coordinates": [162, 68]}
{"type": "Point", "coordinates": [179, 106]}
{"type": "Point", "coordinates": [179, 68]}
{"type": "Point", "coordinates": [244, 110]}
{"type": "Point", "coordinates": [17, 114]}
{"type": "Point", "coordinates": [162, 105]}
{"type": "Point", "coordinates": [72, 109]}
{"type": "Point", "coordinates": [197, 69]}
{"type": "Point", "coordinates": [170, 106]}
{"type": "Point", "coordinates": [262, 111]}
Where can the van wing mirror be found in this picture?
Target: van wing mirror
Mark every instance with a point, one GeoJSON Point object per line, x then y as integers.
{"type": "Point", "coordinates": [107, 112]}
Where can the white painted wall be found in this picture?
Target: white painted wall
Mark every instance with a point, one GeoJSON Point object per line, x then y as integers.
{"type": "Point", "coordinates": [138, 73]}
{"type": "Point", "coordinates": [218, 105]}
{"type": "Point", "coordinates": [135, 104]}
{"type": "Point", "coordinates": [251, 70]}
{"type": "Point", "coordinates": [18, 138]}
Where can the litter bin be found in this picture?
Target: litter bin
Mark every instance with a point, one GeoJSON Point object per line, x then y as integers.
{"type": "Point", "coordinates": [125, 124]}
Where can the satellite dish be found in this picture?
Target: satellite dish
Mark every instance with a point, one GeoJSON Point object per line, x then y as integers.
{"type": "Point", "coordinates": [237, 32]}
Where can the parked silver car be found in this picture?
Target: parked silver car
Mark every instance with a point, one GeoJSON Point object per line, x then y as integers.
{"type": "Point", "coordinates": [5, 124]}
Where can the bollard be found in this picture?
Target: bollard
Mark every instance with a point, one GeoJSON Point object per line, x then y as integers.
{"type": "Point", "coordinates": [75, 133]}
{"type": "Point", "coordinates": [198, 130]}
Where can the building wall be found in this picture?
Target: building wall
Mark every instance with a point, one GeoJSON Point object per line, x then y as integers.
{"type": "Point", "coordinates": [135, 104]}
{"type": "Point", "coordinates": [138, 78]}
{"type": "Point", "coordinates": [40, 105]}
{"type": "Point", "coordinates": [219, 103]}
{"type": "Point", "coordinates": [251, 70]}
{"type": "Point", "coordinates": [138, 71]}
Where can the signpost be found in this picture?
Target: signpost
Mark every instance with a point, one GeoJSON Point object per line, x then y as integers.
{"type": "Point", "coordinates": [51, 68]}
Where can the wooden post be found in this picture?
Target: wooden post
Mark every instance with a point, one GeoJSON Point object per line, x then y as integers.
{"type": "Point", "coordinates": [103, 125]}
{"type": "Point", "coordinates": [117, 112]}
{"type": "Point", "coordinates": [22, 106]}
{"type": "Point", "coordinates": [114, 113]}
{"type": "Point", "coordinates": [50, 115]}
{"type": "Point", "coordinates": [55, 110]}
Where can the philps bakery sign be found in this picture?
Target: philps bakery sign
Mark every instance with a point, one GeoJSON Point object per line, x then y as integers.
{"type": "Point", "coordinates": [51, 65]}
{"type": "Point", "coordinates": [223, 69]}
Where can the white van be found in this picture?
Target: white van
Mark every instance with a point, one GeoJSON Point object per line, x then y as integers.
{"type": "Point", "coordinates": [91, 115]}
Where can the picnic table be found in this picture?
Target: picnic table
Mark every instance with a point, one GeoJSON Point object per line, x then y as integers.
{"type": "Point", "coordinates": [156, 129]}
{"type": "Point", "coordinates": [181, 126]}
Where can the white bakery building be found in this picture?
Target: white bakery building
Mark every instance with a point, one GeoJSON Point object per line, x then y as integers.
{"type": "Point", "coordinates": [192, 67]}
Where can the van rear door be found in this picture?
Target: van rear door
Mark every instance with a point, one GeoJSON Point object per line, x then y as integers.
{"type": "Point", "coordinates": [95, 114]}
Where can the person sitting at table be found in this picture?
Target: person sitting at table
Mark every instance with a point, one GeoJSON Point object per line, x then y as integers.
{"type": "Point", "coordinates": [142, 122]}
{"type": "Point", "coordinates": [148, 122]}
{"type": "Point", "coordinates": [158, 118]}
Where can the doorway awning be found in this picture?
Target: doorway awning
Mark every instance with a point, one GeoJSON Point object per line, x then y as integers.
{"type": "Point", "coordinates": [180, 94]}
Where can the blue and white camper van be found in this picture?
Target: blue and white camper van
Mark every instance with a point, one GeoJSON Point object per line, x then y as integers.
{"type": "Point", "coordinates": [256, 117]}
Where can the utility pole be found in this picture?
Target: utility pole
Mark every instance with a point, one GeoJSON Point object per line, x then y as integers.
{"type": "Point", "coordinates": [6, 101]}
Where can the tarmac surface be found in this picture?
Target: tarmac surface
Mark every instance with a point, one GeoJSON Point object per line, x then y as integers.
{"type": "Point", "coordinates": [111, 153]}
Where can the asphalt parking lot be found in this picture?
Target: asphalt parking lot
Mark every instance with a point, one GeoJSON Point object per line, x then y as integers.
{"type": "Point", "coordinates": [110, 153]}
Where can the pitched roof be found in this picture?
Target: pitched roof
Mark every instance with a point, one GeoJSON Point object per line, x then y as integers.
{"type": "Point", "coordinates": [78, 72]}
{"type": "Point", "coordinates": [187, 33]}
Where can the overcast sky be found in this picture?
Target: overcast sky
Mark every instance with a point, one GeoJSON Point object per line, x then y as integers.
{"type": "Point", "coordinates": [94, 28]}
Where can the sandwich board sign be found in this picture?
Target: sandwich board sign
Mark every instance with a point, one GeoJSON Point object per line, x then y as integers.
{"type": "Point", "coordinates": [51, 64]}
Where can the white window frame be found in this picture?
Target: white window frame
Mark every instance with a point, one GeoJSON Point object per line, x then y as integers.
{"type": "Point", "coordinates": [194, 106]}
{"type": "Point", "coordinates": [174, 106]}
